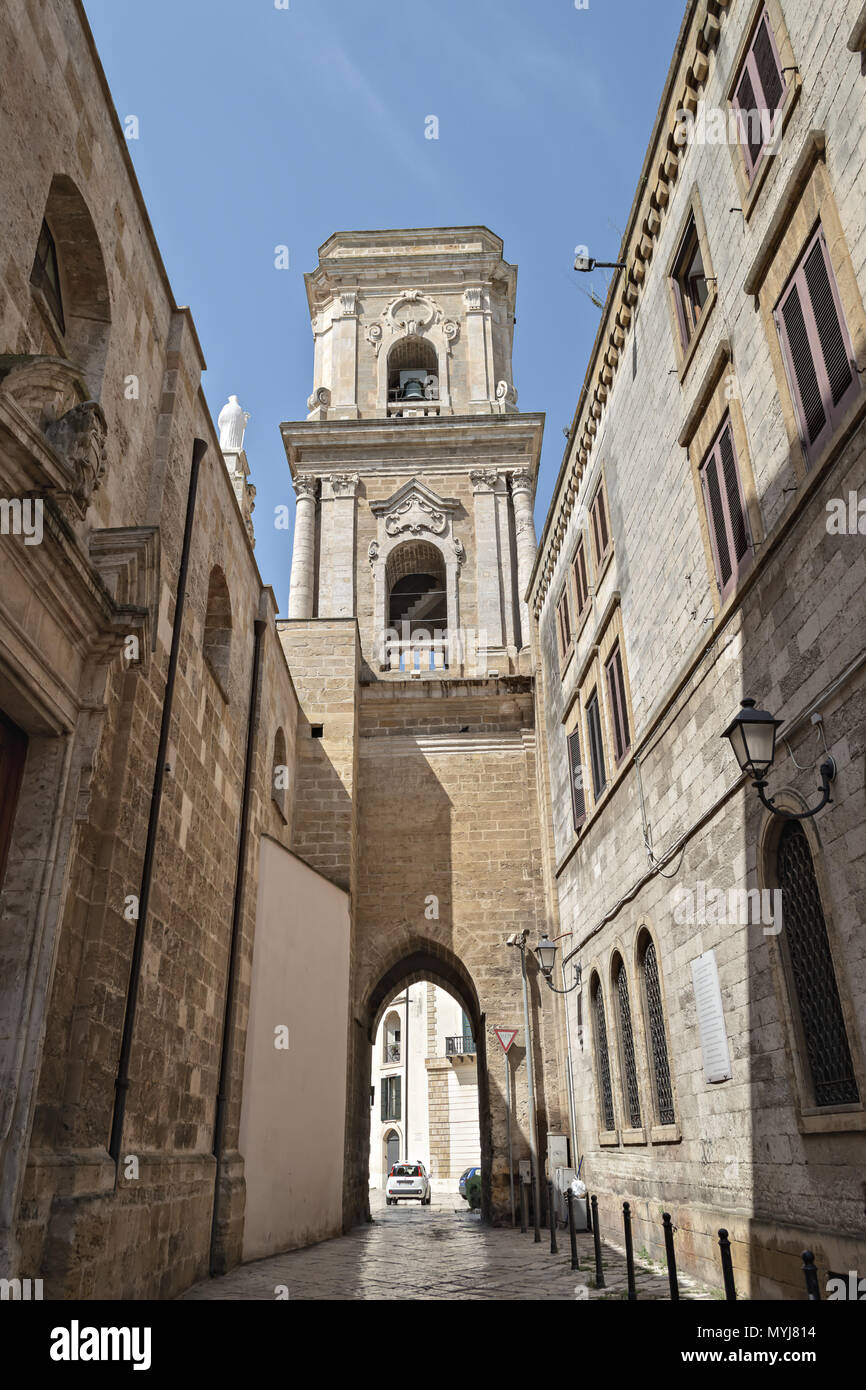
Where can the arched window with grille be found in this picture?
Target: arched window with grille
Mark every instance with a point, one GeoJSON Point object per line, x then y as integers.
{"type": "Point", "coordinates": [602, 1058]}
{"type": "Point", "coordinates": [656, 1035]}
{"type": "Point", "coordinates": [625, 1033]}
{"type": "Point", "coordinates": [812, 986]}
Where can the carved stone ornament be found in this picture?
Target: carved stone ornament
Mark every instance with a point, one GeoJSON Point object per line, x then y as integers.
{"type": "Point", "coordinates": [373, 553]}
{"type": "Point", "coordinates": [473, 297]}
{"type": "Point", "coordinates": [349, 301]}
{"type": "Point", "coordinates": [483, 479]}
{"type": "Point", "coordinates": [415, 515]}
{"type": "Point", "coordinates": [79, 437]}
{"type": "Point", "coordinates": [320, 399]}
{"type": "Point", "coordinates": [459, 551]}
{"type": "Point", "coordinates": [451, 328]}
{"type": "Point", "coordinates": [521, 480]}
{"type": "Point", "coordinates": [412, 312]}
{"type": "Point", "coordinates": [374, 336]}
{"type": "Point", "coordinates": [506, 392]}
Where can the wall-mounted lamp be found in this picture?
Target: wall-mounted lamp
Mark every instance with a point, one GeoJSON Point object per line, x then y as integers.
{"type": "Point", "coordinates": [545, 954]}
{"type": "Point", "coordinates": [752, 734]}
{"type": "Point", "coordinates": [585, 263]}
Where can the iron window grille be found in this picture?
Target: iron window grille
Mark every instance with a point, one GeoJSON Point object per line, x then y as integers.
{"type": "Point", "coordinates": [661, 1072]}
{"type": "Point", "coordinates": [603, 1058]}
{"type": "Point", "coordinates": [816, 993]}
{"type": "Point", "coordinates": [631, 1092]}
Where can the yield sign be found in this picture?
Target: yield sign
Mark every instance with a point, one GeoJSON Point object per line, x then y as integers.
{"type": "Point", "coordinates": [506, 1036]}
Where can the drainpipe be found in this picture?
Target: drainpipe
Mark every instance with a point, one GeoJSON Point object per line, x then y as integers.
{"type": "Point", "coordinates": [121, 1082]}
{"type": "Point", "coordinates": [259, 627]}
{"type": "Point", "coordinates": [406, 1097]}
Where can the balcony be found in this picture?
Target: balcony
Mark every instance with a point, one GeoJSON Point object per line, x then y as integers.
{"type": "Point", "coordinates": [460, 1047]}
{"type": "Point", "coordinates": [416, 657]}
{"type": "Point", "coordinates": [392, 1053]}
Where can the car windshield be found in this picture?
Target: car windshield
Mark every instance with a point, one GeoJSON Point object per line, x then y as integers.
{"type": "Point", "coordinates": [405, 1170]}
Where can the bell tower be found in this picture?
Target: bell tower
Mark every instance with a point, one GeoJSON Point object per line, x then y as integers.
{"type": "Point", "coordinates": [414, 471]}
{"type": "Point", "coordinates": [408, 642]}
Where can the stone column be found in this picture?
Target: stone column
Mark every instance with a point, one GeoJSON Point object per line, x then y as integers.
{"type": "Point", "coordinates": [303, 550]}
{"type": "Point", "coordinates": [485, 484]}
{"type": "Point", "coordinates": [344, 357]}
{"type": "Point", "coordinates": [480, 362]}
{"type": "Point", "coordinates": [341, 489]}
{"type": "Point", "coordinates": [524, 525]}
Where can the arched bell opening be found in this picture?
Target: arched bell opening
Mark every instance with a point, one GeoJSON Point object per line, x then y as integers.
{"type": "Point", "coordinates": [413, 371]}
{"type": "Point", "coordinates": [417, 591]}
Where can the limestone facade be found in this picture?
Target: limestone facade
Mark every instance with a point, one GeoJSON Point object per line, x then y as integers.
{"type": "Point", "coordinates": [100, 406]}
{"type": "Point", "coordinates": [767, 1143]}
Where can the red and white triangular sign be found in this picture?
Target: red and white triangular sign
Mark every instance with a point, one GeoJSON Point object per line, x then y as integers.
{"type": "Point", "coordinates": [506, 1036]}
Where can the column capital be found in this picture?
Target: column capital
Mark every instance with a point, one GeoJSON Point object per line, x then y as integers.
{"type": "Point", "coordinates": [343, 484]}
{"type": "Point", "coordinates": [487, 480]}
{"type": "Point", "coordinates": [305, 486]}
{"type": "Point", "coordinates": [521, 481]}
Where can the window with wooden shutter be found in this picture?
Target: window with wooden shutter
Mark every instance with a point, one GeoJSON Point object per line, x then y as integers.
{"type": "Point", "coordinates": [618, 706]}
{"type": "Point", "coordinates": [689, 282]}
{"type": "Point", "coordinates": [391, 1097]}
{"type": "Point", "coordinates": [600, 528]}
{"type": "Point", "coordinates": [596, 745]}
{"type": "Point", "coordinates": [726, 511]}
{"type": "Point", "coordinates": [581, 578]}
{"type": "Point", "coordinates": [759, 93]}
{"type": "Point", "coordinates": [563, 618]}
{"type": "Point", "coordinates": [576, 776]}
{"type": "Point", "coordinates": [816, 346]}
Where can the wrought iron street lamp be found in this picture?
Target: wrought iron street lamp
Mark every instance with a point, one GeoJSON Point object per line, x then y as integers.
{"type": "Point", "coordinates": [752, 735]}
{"type": "Point", "coordinates": [545, 954]}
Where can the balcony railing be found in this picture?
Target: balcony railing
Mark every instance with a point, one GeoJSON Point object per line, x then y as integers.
{"type": "Point", "coordinates": [392, 1052]}
{"type": "Point", "coordinates": [460, 1046]}
{"type": "Point", "coordinates": [422, 655]}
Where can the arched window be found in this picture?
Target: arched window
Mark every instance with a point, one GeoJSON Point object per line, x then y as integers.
{"type": "Point", "coordinates": [628, 1068]}
{"type": "Point", "coordinates": [602, 1057]}
{"type": "Point", "coordinates": [391, 1039]}
{"type": "Point", "coordinates": [415, 576]}
{"type": "Point", "coordinates": [218, 628]}
{"type": "Point", "coordinates": [280, 773]}
{"type": "Point", "coordinates": [413, 368]}
{"type": "Point", "coordinates": [69, 274]}
{"type": "Point", "coordinates": [813, 990]}
{"type": "Point", "coordinates": [654, 1021]}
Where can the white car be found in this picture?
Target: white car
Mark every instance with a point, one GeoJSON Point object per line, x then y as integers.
{"type": "Point", "coordinates": [407, 1180]}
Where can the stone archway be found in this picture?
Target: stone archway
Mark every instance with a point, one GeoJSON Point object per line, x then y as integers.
{"type": "Point", "coordinates": [426, 960]}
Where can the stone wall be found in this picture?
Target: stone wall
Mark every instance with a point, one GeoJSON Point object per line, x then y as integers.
{"type": "Point", "coordinates": [749, 1153]}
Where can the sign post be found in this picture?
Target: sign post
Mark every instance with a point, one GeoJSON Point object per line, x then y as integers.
{"type": "Point", "coordinates": [506, 1037]}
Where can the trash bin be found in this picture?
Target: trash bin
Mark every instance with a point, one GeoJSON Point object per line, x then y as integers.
{"type": "Point", "coordinates": [563, 1179]}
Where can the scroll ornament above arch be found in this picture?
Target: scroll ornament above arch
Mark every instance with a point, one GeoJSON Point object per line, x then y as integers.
{"type": "Point", "coordinates": [411, 314]}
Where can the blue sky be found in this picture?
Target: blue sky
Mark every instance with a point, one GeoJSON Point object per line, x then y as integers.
{"type": "Point", "coordinates": [261, 127]}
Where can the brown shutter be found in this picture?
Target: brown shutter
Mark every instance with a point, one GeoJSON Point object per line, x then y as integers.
{"type": "Point", "coordinates": [575, 767]}
{"type": "Point", "coordinates": [750, 130]}
{"type": "Point", "coordinates": [580, 579]}
{"type": "Point", "coordinates": [802, 361]}
{"type": "Point", "coordinates": [602, 518]}
{"type": "Point", "coordinates": [716, 518]}
{"type": "Point", "coordinates": [736, 510]}
{"type": "Point", "coordinates": [616, 687]}
{"type": "Point", "coordinates": [767, 63]}
{"type": "Point", "coordinates": [830, 336]}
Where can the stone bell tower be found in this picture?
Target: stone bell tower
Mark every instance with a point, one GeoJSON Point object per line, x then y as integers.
{"type": "Point", "coordinates": [414, 459]}
{"type": "Point", "coordinates": [408, 641]}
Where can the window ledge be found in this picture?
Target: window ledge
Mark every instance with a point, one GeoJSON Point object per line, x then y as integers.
{"type": "Point", "coordinates": [665, 1134]}
{"type": "Point", "coordinates": [566, 658]}
{"type": "Point", "coordinates": [687, 354]}
{"type": "Point", "coordinates": [634, 1136]}
{"type": "Point", "coordinates": [609, 1138]}
{"type": "Point", "coordinates": [841, 1121]}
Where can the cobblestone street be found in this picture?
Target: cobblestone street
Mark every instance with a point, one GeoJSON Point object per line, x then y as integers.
{"type": "Point", "coordinates": [441, 1252]}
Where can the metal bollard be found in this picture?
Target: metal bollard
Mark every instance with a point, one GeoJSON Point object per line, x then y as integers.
{"type": "Point", "coordinates": [671, 1257]}
{"type": "Point", "coordinates": [629, 1252]}
{"type": "Point", "coordinates": [536, 1211]}
{"type": "Point", "coordinates": [599, 1273]}
{"type": "Point", "coordinates": [727, 1265]}
{"type": "Point", "coordinates": [588, 1213]}
{"type": "Point", "coordinates": [572, 1233]}
{"type": "Point", "coordinates": [551, 1219]}
{"type": "Point", "coordinates": [523, 1208]}
{"type": "Point", "coordinates": [813, 1290]}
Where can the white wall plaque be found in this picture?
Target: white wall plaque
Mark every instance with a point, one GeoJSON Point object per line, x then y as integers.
{"type": "Point", "coordinates": [711, 1018]}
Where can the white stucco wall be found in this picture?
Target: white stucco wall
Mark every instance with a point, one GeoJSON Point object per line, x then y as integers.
{"type": "Point", "coordinates": [293, 1115]}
